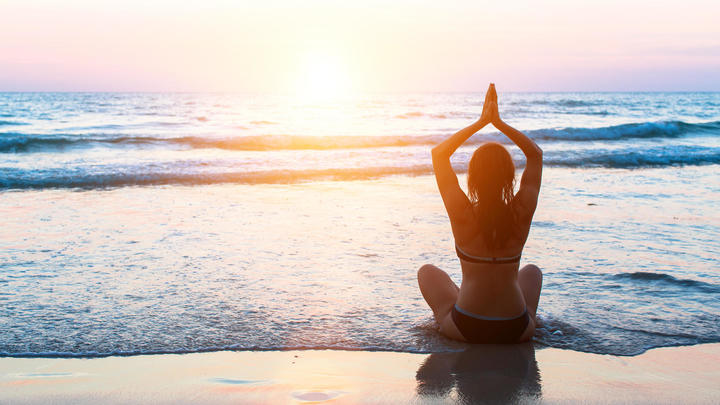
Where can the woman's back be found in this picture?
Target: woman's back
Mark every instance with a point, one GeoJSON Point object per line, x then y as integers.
{"type": "Point", "coordinates": [496, 302]}
{"type": "Point", "coordinates": [490, 288]}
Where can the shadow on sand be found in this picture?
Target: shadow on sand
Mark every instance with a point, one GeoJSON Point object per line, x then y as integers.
{"type": "Point", "coordinates": [482, 374]}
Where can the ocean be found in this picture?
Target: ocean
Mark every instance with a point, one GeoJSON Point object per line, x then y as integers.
{"type": "Point", "coordinates": [137, 223]}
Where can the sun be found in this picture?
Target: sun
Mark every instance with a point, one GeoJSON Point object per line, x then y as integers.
{"type": "Point", "coordinates": [323, 77]}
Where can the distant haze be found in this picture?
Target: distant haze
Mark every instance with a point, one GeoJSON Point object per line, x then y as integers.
{"type": "Point", "coordinates": [322, 47]}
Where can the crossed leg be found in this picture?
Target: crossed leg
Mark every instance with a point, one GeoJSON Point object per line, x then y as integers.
{"type": "Point", "coordinates": [530, 280]}
{"type": "Point", "coordinates": [441, 293]}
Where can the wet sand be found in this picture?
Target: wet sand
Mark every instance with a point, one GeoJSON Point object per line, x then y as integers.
{"type": "Point", "coordinates": [484, 373]}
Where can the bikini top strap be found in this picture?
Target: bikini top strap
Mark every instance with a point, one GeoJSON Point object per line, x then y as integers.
{"type": "Point", "coordinates": [477, 259]}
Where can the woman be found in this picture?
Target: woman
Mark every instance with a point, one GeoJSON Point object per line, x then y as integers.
{"type": "Point", "coordinates": [495, 303]}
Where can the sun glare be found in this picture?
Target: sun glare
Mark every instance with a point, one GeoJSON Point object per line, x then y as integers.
{"type": "Point", "coordinates": [323, 77]}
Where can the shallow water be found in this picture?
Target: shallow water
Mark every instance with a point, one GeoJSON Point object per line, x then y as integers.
{"type": "Point", "coordinates": [629, 256]}
{"type": "Point", "coordinates": [136, 223]}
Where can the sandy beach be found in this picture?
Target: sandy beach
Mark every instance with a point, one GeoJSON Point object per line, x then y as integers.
{"type": "Point", "coordinates": [482, 374]}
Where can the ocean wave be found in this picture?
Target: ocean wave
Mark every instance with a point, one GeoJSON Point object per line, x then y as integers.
{"type": "Point", "coordinates": [21, 143]}
{"type": "Point", "coordinates": [211, 171]}
{"type": "Point", "coordinates": [588, 112]}
{"type": "Point", "coordinates": [32, 180]}
{"type": "Point", "coordinates": [663, 129]}
{"type": "Point", "coordinates": [11, 123]}
{"type": "Point", "coordinates": [661, 156]}
{"type": "Point", "coordinates": [565, 102]}
{"type": "Point", "coordinates": [17, 142]}
{"type": "Point", "coordinates": [23, 180]}
{"type": "Point", "coordinates": [642, 276]}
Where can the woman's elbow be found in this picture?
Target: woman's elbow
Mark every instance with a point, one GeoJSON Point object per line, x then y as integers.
{"type": "Point", "coordinates": [438, 153]}
{"type": "Point", "coordinates": [537, 152]}
{"type": "Point", "coordinates": [435, 153]}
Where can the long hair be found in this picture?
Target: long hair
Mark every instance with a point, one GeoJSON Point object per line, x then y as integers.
{"type": "Point", "coordinates": [491, 183]}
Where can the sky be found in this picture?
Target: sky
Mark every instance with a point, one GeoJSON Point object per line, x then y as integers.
{"type": "Point", "coordinates": [276, 46]}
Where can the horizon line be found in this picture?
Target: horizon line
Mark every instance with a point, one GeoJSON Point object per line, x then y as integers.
{"type": "Point", "coordinates": [275, 93]}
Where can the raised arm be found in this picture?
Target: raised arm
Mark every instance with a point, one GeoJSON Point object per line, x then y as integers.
{"type": "Point", "coordinates": [532, 175]}
{"type": "Point", "coordinates": [456, 201]}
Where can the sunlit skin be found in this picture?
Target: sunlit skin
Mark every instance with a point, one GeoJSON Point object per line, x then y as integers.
{"type": "Point", "coordinates": [493, 290]}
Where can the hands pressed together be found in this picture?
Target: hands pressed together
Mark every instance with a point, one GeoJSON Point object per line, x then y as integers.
{"type": "Point", "coordinates": [490, 113]}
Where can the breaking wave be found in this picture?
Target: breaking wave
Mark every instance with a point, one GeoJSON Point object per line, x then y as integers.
{"type": "Point", "coordinates": [17, 142]}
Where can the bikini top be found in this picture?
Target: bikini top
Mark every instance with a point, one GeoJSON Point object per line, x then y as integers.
{"type": "Point", "coordinates": [477, 259]}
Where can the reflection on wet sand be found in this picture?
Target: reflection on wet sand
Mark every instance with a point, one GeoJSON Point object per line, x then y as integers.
{"type": "Point", "coordinates": [481, 374]}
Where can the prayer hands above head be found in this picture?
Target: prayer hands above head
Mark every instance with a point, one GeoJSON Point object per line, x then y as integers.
{"type": "Point", "coordinates": [490, 113]}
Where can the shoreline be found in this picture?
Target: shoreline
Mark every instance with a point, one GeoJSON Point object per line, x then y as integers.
{"type": "Point", "coordinates": [490, 373]}
{"type": "Point", "coordinates": [537, 346]}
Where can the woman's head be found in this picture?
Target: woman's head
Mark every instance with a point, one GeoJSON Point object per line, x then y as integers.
{"type": "Point", "coordinates": [491, 175]}
{"type": "Point", "coordinates": [491, 183]}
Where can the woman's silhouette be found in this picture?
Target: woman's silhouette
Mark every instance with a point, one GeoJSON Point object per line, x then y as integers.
{"type": "Point", "coordinates": [495, 303]}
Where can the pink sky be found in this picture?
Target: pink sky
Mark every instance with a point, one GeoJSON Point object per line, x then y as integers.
{"type": "Point", "coordinates": [272, 46]}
